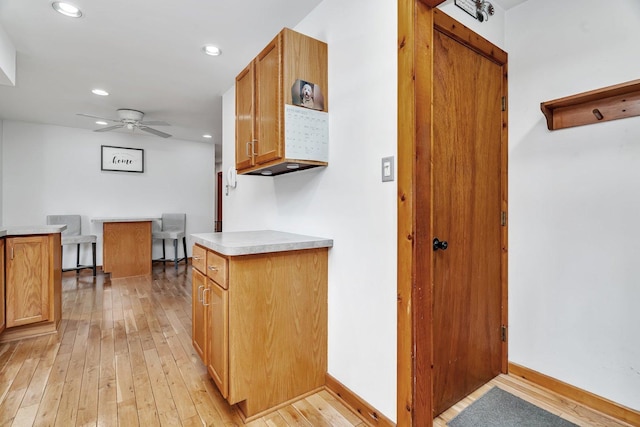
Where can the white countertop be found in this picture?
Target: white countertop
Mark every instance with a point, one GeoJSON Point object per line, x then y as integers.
{"type": "Point", "coordinates": [126, 219]}
{"type": "Point", "coordinates": [22, 230]}
{"type": "Point", "coordinates": [257, 242]}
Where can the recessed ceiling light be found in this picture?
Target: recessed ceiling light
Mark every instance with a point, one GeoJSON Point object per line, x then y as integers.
{"type": "Point", "coordinates": [207, 136]}
{"type": "Point", "coordinates": [266, 173]}
{"type": "Point", "coordinates": [101, 122]}
{"type": "Point", "coordinates": [66, 9]}
{"type": "Point", "coordinates": [100, 92]}
{"type": "Point", "coordinates": [212, 50]}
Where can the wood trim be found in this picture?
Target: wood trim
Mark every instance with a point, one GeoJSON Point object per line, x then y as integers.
{"type": "Point", "coordinates": [432, 3]}
{"type": "Point", "coordinates": [266, 412]}
{"type": "Point", "coordinates": [367, 413]}
{"type": "Point", "coordinates": [29, 331]}
{"type": "Point", "coordinates": [452, 28]}
{"type": "Point", "coordinates": [417, 21]}
{"type": "Point", "coordinates": [584, 397]}
{"type": "Point", "coordinates": [405, 210]}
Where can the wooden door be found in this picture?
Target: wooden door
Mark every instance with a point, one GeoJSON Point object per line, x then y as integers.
{"type": "Point", "coordinates": [467, 197]}
{"type": "Point", "coordinates": [198, 314]}
{"type": "Point", "coordinates": [245, 116]}
{"type": "Point", "coordinates": [218, 223]}
{"type": "Point", "coordinates": [27, 280]}
{"type": "Point", "coordinates": [217, 302]}
{"type": "Point", "coordinates": [269, 105]}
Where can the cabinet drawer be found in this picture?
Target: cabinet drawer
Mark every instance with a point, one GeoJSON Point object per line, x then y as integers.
{"type": "Point", "coordinates": [199, 258]}
{"type": "Point", "coordinates": [217, 269]}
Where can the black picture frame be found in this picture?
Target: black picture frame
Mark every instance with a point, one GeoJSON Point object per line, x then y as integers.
{"type": "Point", "coordinates": [121, 159]}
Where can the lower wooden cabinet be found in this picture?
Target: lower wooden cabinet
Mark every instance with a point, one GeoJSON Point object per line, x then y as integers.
{"type": "Point", "coordinates": [3, 322]}
{"type": "Point", "coordinates": [27, 276]}
{"type": "Point", "coordinates": [265, 335]}
{"type": "Point", "coordinates": [30, 285]}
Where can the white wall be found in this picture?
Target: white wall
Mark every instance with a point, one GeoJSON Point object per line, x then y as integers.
{"type": "Point", "coordinates": [574, 199]}
{"type": "Point", "coordinates": [346, 201]}
{"type": "Point", "coordinates": [56, 170]}
{"type": "Point", "coordinates": [7, 60]}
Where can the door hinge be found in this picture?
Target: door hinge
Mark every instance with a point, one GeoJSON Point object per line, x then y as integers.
{"type": "Point", "coordinates": [503, 333]}
{"type": "Point", "coordinates": [504, 103]}
{"type": "Point", "coordinates": [503, 218]}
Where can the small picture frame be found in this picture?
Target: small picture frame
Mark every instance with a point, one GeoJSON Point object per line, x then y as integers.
{"type": "Point", "coordinates": [121, 159]}
{"type": "Point", "coordinates": [307, 94]}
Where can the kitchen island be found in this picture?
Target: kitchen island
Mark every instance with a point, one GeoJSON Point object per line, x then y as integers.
{"type": "Point", "coordinates": [30, 281]}
{"type": "Point", "coordinates": [260, 315]}
{"type": "Point", "coordinates": [126, 246]}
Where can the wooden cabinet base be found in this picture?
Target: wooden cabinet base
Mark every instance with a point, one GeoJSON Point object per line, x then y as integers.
{"type": "Point", "coordinates": [126, 249]}
{"type": "Point", "coordinates": [29, 331]}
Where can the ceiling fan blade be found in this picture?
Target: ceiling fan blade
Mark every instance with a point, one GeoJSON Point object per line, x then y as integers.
{"type": "Point", "coordinates": [154, 123]}
{"type": "Point", "coordinates": [97, 117]}
{"type": "Point", "coordinates": [154, 131]}
{"type": "Point", "coordinates": [108, 128]}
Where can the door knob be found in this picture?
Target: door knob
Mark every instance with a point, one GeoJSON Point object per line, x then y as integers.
{"type": "Point", "coordinates": [437, 244]}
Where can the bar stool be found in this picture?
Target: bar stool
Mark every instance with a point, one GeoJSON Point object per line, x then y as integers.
{"type": "Point", "coordinates": [73, 236]}
{"type": "Point", "coordinates": [173, 227]}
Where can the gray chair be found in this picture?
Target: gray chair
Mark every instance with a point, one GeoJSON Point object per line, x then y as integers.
{"type": "Point", "coordinates": [173, 227]}
{"type": "Point", "coordinates": [73, 236]}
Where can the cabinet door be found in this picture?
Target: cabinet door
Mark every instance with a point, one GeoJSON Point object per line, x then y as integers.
{"type": "Point", "coordinates": [198, 314]}
{"type": "Point", "coordinates": [27, 280]}
{"type": "Point", "coordinates": [269, 103]}
{"type": "Point", "coordinates": [2, 316]}
{"type": "Point", "coordinates": [218, 343]}
{"type": "Point", "coordinates": [245, 89]}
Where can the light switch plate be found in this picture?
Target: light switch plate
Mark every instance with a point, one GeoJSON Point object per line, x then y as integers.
{"type": "Point", "coordinates": [388, 169]}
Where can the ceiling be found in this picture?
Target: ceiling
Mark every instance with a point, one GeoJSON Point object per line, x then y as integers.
{"type": "Point", "coordinates": [146, 53]}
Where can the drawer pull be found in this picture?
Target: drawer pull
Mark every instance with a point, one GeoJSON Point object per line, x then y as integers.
{"type": "Point", "coordinates": [197, 258]}
{"type": "Point", "coordinates": [212, 268]}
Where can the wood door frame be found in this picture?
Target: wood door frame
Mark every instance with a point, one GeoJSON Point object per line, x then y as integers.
{"type": "Point", "coordinates": [416, 22]}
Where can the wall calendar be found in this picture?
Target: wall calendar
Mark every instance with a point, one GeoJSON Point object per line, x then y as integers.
{"type": "Point", "coordinates": [306, 133]}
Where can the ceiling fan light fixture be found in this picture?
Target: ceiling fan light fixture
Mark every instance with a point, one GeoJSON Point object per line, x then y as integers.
{"type": "Point", "coordinates": [212, 50]}
{"type": "Point", "coordinates": [206, 135]}
{"type": "Point", "coordinates": [101, 122]}
{"type": "Point", "coordinates": [66, 9]}
{"type": "Point", "coordinates": [100, 92]}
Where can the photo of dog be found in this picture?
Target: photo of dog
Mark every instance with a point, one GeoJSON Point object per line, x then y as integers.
{"type": "Point", "coordinates": [307, 94]}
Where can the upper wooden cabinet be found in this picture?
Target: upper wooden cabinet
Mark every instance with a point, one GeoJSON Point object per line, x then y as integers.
{"type": "Point", "coordinates": [278, 130]}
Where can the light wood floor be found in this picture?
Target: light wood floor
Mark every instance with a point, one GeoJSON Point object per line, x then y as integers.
{"type": "Point", "coordinates": [123, 356]}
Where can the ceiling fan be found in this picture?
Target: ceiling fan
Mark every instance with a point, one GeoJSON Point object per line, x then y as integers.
{"type": "Point", "coordinates": [131, 119]}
